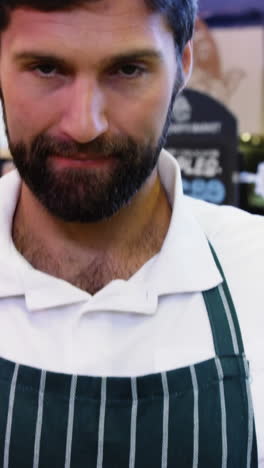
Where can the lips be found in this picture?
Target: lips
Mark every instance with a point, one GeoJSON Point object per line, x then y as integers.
{"type": "Point", "coordinates": [83, 157]}
{"type": "Point", "coordinates": [82, 161]}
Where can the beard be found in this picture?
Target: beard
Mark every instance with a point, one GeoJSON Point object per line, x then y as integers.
{"type": "Point", "coordinates": [85, 195]}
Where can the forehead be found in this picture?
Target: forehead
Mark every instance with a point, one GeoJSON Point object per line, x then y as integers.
{"type": "Point", "coordinates": [100, 24]}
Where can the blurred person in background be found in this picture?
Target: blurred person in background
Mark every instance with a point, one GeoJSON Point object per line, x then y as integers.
{"type": "Point", "coordinates": [6, 165]}
{"type": "Point", "coordinates": [131, 324]}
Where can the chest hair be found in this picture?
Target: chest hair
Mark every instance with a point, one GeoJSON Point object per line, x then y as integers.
{"type": "Point", "coordinates": [90, 271]}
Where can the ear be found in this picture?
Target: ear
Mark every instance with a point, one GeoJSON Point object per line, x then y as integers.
{"type": "Point", "coordinates": [187, 61]}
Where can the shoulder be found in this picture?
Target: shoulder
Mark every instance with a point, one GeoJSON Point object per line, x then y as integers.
{"type": "Point", "coordinates": [229, 227]}
{"type": "Point", "coordinates": [238, 239]}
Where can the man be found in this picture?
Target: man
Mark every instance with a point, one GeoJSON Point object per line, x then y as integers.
{"type": "Point", "coordinates": [119, 341]}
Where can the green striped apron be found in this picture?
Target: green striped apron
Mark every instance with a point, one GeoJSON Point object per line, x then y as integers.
{"type": "Point", "coordinates": [193, 417]}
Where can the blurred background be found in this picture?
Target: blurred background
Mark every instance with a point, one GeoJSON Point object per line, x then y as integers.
{"type": "Point", "coordinates": [217, 131]}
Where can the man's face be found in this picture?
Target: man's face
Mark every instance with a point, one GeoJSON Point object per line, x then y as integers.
{"type": "Point", "coordinates": [86, 96]}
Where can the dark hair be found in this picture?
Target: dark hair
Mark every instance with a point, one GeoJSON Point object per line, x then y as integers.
{"type": "Point", "coordinates": [180, 14]}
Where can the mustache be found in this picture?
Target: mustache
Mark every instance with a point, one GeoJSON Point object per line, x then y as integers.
{"type": "Point", "coordinates": [45, 145]}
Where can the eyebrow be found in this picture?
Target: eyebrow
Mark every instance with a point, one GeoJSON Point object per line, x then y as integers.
{"type": "Point", "coordinates": [131, 55]}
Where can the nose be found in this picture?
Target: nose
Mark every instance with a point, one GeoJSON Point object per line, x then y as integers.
{"type": "Point", "coordinates": [84, 117]}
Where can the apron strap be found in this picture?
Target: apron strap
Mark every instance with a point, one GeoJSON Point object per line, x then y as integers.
{"type": "Point", "coordinates": [223, 318]}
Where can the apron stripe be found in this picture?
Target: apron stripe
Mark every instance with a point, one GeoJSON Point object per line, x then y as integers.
{"type": "Point", "coordinates": [195, 418]}
{"type": "Point", "coordinates": [10, 416]}
{"type": "Point", "coordinates": [100, 452]}
{"type": "Point", "coordinates": [232, 320]}
{"type": "Point", "coordinates": [132, 456]}
{"type": "Point", "coordinates": [250, 417]}
{"type": "Point", "coordinates": [223, 411]}
{"type": "Point", "coordinates": [39, 419]}
{"type": "Point", "coordinates": [70, 422]}
{"type": "Point", "coordinates": [165, 437]}
{"type": "Point", "coordinates": [229, 319]}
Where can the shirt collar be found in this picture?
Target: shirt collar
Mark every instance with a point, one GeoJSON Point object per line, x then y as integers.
{"type": "Point", "coordinates": [184, 264]}
{"type": "Point", "coordinates": [42, 291]}
{"type": "Point", "coordinates": [10, 283]}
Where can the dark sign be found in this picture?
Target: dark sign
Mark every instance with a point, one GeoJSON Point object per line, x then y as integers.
{"type": "Point", "coordinates": [203, 138]}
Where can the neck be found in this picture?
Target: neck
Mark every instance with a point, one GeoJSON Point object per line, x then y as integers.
{"type": "Point", "coordinates": [121, 244]}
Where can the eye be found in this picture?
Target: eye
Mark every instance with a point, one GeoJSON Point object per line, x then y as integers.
{"type": "Point", "coordinates": [130, 70]}
{"type": "Point", "coordinates": [46, 70]}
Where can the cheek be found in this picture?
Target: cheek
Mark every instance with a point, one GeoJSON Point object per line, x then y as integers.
{"type": "Point", "coordinates": [18, 111]}
{"type": "Point", "coordinates": [19, 117]}
{"type": "Point", "coordinates": [25, 117]}
{"type": "Point", "coordinates": [145, 118]}
{"type": "Point", "coordinates": [159, 109]}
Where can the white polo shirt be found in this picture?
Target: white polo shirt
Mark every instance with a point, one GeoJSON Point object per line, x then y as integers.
{"type": "Point", "coordinates": [157, 319]}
